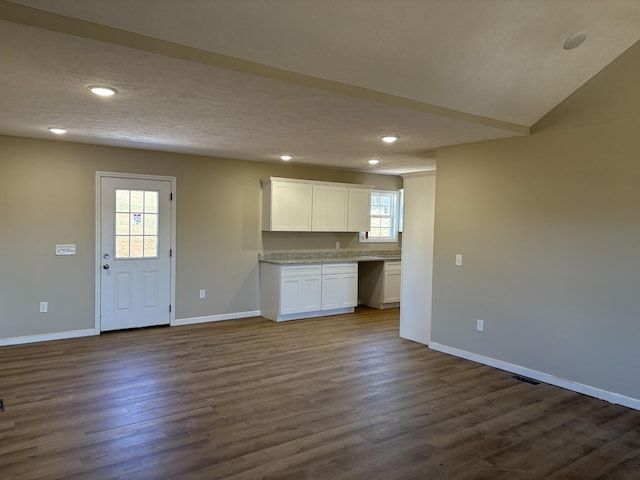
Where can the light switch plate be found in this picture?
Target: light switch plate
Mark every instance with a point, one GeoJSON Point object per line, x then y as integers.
{"type": "Point", "coordinates": [66, 249]}
{"type": "Point", "coordinates": [458, 260]}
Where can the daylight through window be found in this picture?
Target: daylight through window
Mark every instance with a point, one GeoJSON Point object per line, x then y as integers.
{"type": "Point", "coordinates": [384, 217]}
{"type": "Point", "coordinates": [136, 232]}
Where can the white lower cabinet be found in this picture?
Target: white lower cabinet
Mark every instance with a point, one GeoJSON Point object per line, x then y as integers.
{"type": "Point", "coordinates": [300, 289]}
{"type": "Point", "coordinates": [379, 284]}
{"type": "Point", "coordinates": [339, 285]}
{"type": "Point", "coordinates": [392, 271]}
{"type": "Point", "coordinates": [289, 292]}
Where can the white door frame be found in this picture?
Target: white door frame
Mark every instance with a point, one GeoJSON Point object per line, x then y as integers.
{"type": "Point", "coordinates": [98, 263]}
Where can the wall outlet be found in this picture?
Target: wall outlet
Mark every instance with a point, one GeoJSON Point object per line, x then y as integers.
{"type": "Point", "coordinates": [480, 325]}
{"type": "Point", "coordinates": [203, 293]}
{"type": "Point", "coordinates": [337, 245]}
{"type": "Point", "coordinates": [44, 307]}
{"type": "Point", "coordinates": [458, 260]}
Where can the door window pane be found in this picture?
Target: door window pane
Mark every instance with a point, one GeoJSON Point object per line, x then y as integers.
{"type": "Point", "coordinates": [150, 246]}
{"type": "Point", "coordinates": [150, 224]}
{"type": "Point", "coordinates": [136, 223]}
{"type": "Point", "coordinates": [150, 202]}
{"type": "Point", "coordinates": [122, 224]}
{"type": "Point", "coordinates": [122, 200]}
{"type": "Point", "coordinates": [137, 201]}
{"type": "Point", "coordinates": [122, 247]}
{"type": "Point", "coordinates": [136, 246]}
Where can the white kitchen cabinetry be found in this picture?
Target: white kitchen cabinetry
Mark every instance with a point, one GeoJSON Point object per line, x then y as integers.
{"type": "Point", "coordinates": [359, 215]}
{"type": "Point", "coordinates": [339, 285]}
{"type": "Point", "coordinates": [286, 205]}
{"type": "Point", "coordinates": [291, 205]}
{"type": "Point", "coordinates": [330, 208]}
{"type": "Point", "coordinates": [300, 289]}
{"type": "Point", "coordinates": [289, 292]}
{"type": "Point", "coordinates": [391, 290]}
{"type": "Point", "coordinates": [379, 284]}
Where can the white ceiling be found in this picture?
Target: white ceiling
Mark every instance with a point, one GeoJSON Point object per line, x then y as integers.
{"type": "Point", "coordinates": [322, 80]}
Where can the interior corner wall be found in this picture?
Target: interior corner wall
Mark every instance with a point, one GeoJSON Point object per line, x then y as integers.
{"type": "Point", "coordinates": [47, 197]}
{"type": "Point", "coordinates": [549, 229]}
{"type": "Point", "coordinates": [417, 257]}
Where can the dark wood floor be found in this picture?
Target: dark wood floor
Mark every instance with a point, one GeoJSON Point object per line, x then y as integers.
{"type": "Point", "coordinates": [330, 398]}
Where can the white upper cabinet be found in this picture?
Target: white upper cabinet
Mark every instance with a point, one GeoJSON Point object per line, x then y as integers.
{"type": "Point", "coordinates": [291, 205]}
{"type": "Point", "coordinates": [330, 208]}
{"type": "Point", "coordinates": [359, 215]}
{"type": "Point", "coordinates": [286, 206]}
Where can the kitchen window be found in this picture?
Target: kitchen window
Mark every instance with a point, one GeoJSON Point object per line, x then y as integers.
{"type": "Point", "coordinates": [384, 217]}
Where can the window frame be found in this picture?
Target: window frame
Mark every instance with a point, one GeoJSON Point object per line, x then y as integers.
{"type": "Point", "coordinates": [365, 237]}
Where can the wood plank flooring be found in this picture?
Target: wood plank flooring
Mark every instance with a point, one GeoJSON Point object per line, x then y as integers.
{"type": "Point", "coordinates": [331, 398]}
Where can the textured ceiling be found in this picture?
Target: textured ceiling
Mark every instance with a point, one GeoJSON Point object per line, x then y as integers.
{"type": "Point", "coordinates": [323, 81]}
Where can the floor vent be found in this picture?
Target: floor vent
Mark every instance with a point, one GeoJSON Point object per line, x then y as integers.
{"type": "Point", "coordinates": [525, 379]}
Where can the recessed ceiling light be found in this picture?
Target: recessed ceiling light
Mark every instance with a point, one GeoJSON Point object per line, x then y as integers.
{"type": "Point", "coordinates": [286, 158]}
{"type": "Point", "coordinates": [58, 130]}
{"type": "Point", "coordinates": [575, 40]}
{"type": "Point", "coordinates": [389, 138]}
{"type": "Point", "coordinates": [374, 161]}
{"type": "Point", "coordinates": [102, 91]}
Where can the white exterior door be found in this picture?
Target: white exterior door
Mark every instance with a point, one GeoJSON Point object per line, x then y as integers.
{"type": "Point", "coordinates": [134, 248]}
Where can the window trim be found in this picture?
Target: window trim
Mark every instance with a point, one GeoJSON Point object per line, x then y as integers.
{"type": "Point", "coordinates": [363, 237]}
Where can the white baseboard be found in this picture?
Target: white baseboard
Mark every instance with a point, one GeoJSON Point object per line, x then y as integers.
{"type": "Point", "coordinates": [314, 314]}
{"type": "Point", "coordinates": [215, 318]}
{"type": "Point", "coordinates": [541, 376]}
{"type": "Point", "coordinates": [45, 337]}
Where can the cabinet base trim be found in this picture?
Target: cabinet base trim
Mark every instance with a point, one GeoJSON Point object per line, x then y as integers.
{"type": "Point", "coordinates": [216, 318]}
{"type": "Point", "coordinates": [382, 306]}
{"type": "Point", "coordinates": [318, 313]}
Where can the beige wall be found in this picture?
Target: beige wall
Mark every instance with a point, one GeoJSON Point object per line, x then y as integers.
{"type": "Point", "coordinates": [47, 196]}
{"type": "Point", "coordinates": [549, 226]}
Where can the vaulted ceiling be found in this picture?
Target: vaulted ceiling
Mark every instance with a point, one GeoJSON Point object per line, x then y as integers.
{"type": "Point", "coordinates": [320, 80]}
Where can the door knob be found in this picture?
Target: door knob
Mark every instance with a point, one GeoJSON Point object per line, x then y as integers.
{"type": "Point", "coordinates": [106, 266]}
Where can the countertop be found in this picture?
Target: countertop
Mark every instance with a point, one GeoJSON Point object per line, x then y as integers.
{"type": "Point", "coordinates": [329, 256]}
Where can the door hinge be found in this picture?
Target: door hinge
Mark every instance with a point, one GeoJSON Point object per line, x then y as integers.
{"type": "Point", "coordinates": [169, 308]}
{"type": "Point", "coordinates": [171, 197]}
{"type": "Point", "coordinates": [171, 252]}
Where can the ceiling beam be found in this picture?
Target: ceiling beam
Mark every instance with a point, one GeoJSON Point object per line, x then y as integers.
{"type": "Point", "coordinates": [33, 17]}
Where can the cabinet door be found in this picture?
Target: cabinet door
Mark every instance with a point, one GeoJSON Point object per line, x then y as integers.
{"type": "Point", "coordinates": [359, 210]}
{"type": "Point", "coordinates": [290, 206]}
{"type": "Point", "coordinates": [339, 285]}
{"type": "Point", "coordinates": [320, 209]}
{"type": "Point", "coordinates": [338, 209]}
{"type": "Point", "coordinates": [281, 199]}
{"type": "Point", "coordinates": [391, 282]}
{"type": "Point", "coordinates": [348, 290]}
{"type": "Point", "coordinates": [331, 285]}
{"type": "Point", "coordinates": [310, 289]}
{"type": "Point", "coordinates": [329, 208]}
{"type": "Point", "coordinates": [290, 292]}
{"type": "Point", "coordinates": [301, 208]}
